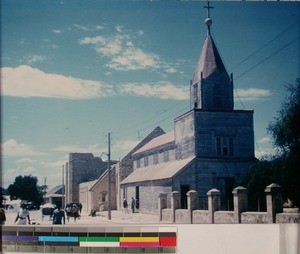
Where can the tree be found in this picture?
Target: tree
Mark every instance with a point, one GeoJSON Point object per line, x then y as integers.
{"type": "Point", "coordinates": [261, 174]}
{"type": "Point", "coordinates": [285, 131]}
{"type": "Point", "coordinates": [25, 188]}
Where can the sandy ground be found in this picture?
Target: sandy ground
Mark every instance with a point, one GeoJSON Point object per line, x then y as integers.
{"type": "Point", "coordinates": [117, 217]}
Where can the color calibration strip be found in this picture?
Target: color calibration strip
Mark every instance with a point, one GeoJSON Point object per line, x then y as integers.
{"type": "Point", "coordinates": [146, 239]}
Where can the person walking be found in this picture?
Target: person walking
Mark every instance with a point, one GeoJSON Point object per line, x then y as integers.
{"type": "Point", "coordinates": [22, 216]}
{"type": "Point", "coordinates": [125, 206]}
{"type": "Point", "coordinates": [59, 216]}
{"type": "Point", "coordinates": [2, 216]}
{"type": "Point", "coordinates": [132, 204]}
{"type": "Point", "coordinates": [75, 211]}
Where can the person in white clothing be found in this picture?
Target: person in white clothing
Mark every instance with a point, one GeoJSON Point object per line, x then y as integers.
{"type": "Point", "coordinates": [22, 216]}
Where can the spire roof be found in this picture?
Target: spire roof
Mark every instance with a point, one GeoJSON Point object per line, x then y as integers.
{"type": "Point", "coordinates": [210, 59]}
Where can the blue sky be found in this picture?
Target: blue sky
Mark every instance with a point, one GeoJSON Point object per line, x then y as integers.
{"type": "Point", "coordinates": [72, 71]}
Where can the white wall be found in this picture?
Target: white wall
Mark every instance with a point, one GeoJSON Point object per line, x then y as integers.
{"type": "Point", "coordinates": [238, 239]}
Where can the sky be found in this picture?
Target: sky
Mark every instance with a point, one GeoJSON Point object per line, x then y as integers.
{"type": "Point", "coordinates": [73, 71]}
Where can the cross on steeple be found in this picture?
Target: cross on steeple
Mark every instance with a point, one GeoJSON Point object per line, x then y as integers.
{"type": "Point", "coordinates": [208, 7]}
{"type": "Point", "coordinates": [208, 20]}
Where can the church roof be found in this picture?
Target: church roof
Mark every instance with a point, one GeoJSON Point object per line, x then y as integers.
{"type": "Point", "coordinates": [157, 172]}
{"type": "Point", "coordinates": [158, 141]}
{"type": "Point", "coordinates": [209, 61]}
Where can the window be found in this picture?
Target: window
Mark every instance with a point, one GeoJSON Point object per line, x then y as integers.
{"type": "Point", "coordinates": [155, 159]}
{"type": "Point", "coordinates": [224, 146]}
{"type": "Point", "coordinates": [166, 156]}
{"type": "Point", "coordinates": [146, 162]}
{"type": "Point", "coordinates": [138, 163]}
{"type": "Point", "coordinates": [195, 95]}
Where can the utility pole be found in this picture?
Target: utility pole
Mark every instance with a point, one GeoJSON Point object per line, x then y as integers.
{"type": "Point", "coordinates": [45, 187]}
{"type": "Point", "coordinates": [63, 187]}
{"type": "Point", "coordinates": [108, 172]}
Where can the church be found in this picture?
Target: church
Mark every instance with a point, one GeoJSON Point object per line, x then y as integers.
{"type": "Point", "coordinates": [211, 146]}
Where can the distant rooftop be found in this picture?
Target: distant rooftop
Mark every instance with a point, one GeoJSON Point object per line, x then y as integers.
{"type": "Point", "coordinates": [158, 141]}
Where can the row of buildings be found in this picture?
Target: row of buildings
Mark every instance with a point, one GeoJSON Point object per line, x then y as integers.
{"type": "Point", "coordinates": [211, 146]}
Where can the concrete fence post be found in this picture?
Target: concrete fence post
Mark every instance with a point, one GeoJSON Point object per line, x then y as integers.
{"type": "Point", "coordinates": [162, 204]}
{"type": "Point", "coordinates": [274, 201]}
{"type": "Point", "coordinates": [192, 203]}
{"type": "Point", "coordinates": [240, 202]}
{"type": "Point", "coordinates": [175, 203]}
{"type": "Point", "coordinates": [214, 203]}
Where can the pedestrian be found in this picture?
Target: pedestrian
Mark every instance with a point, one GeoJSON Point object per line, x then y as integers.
{"type": "Point", "coordinates": [2, 216]}
{"type": "Point", "coordinates": [125, 206]}
{"type": "Point", "coordinates": [75, 211]}
{"type": "Point", "coordinates": [68, 211]}
{"type": "Point", "coordinates": [80, 207]}
{"type": "Point", "coordinates": [132, 204]}
{"type": "Point", "coordinates": [22, 216]}
{"type": "Point", "coordinates": [59, 216]}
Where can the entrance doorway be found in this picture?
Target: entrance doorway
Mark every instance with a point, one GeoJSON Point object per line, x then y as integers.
{"type": "Point", "coordinates": [184, 189]}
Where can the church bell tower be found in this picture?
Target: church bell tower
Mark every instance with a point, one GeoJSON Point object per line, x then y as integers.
{"type": "Point", "coordinates": [211, 87]}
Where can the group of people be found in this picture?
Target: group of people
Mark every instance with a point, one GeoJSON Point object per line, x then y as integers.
{"type": "Point", "coordinates": [134, 205]}
{"type": "Point", "coordinates": [58, 217]}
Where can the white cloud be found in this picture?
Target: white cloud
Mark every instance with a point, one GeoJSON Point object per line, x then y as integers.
{"type": "Point", "coordinates": [12, 148]}
{"type": "Point", "coordinates": [263, 152]}
{"type": "Point", "coordinates": [35, 58]}
{"type": "Point", "coordinates": [124, 145]}
{"type": "Point", "coordinates": [162, 90]}
{"type": "Point", "coordinates": [25, 81]}
{"type": "Point", "coordinates": [25, 160]}
{"type": "Point", "coordinates": [252, 94]}
{"type": "Point", "coordinates": [88, 28]}
{"type": "Point", "coordinates": [134, 59]}
{"type": "Point", "coordinates": [56, 31]}
{"type": "Point", "coordinates": [122, 53]}
{"type": "Point", "coordinates": [264, 140]}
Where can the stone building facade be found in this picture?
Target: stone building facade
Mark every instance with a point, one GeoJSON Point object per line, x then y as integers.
{"type": "Point", "coordinates": [82, 167]}
{"type": "Point", "coordinates": [212, 145]}
{"type": "Point", "coordinates": [93, 194]}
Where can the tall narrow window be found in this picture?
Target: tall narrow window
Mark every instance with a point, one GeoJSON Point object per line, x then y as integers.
{"type": "Point", "coordinates": [146, 162]}
{"type": "Point", "coordinates": [166, 156]}
{"type": "Point", "coordinates": [195, 86]}
{"type": "Point", "coordinates": [224, 146]}
{"type": "Point", "coordinates": [138, 163]}
{"type": "Point", "coordinates": [155, 159]}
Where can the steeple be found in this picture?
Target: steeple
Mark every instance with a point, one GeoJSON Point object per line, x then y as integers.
{"type": "Point", "coordinates": [211, 86]}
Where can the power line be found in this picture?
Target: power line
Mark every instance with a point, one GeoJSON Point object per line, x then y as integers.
{"type": "Point", "coordinates": [265, 45]}
{"type": "Point", "coordinates": [268, 57]}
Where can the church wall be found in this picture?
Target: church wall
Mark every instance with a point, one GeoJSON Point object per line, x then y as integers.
{"type": "Point", "coordinates": [148, 193]}
{"type": "Point", "coordinates": [184, 136]}
{"type": "Point", "coordinates": [220, 174]}
{"type": "Point", "coordinates": [236, 124]}
{"type": "Point", "coordinates": [163, 154]}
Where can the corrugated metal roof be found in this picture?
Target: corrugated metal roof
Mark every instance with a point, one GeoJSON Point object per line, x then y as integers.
{"type": "Point", "coordinates": [158, 141]}
{"type": "Point", "coordinates": [157, 172]}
